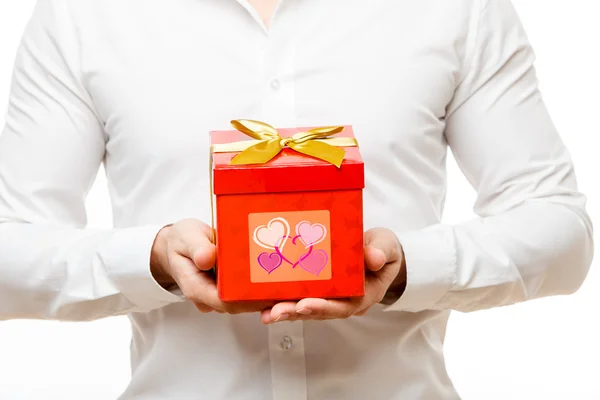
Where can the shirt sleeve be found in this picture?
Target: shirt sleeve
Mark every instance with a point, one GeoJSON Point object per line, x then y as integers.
{"type": "Point", "coordinates": [51, 148]}
{"type": "Point", "coordinates": [533, 237]}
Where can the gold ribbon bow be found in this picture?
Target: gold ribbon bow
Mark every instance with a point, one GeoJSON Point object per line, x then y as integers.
{"type": "Point", "coordinates": [267, 143]}
{"type": "Point", "coordinates": [316, 142]}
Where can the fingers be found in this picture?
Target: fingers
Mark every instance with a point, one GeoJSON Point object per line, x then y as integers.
{"type": "Point", "coordinates": [265, 317]}
{"type": "Point", "coordinates": [284, 311]}
{"type": "Point", "coordinates": [381, 248]}
{"type": "Point", "coordinates": [200, 288]}
{"type": "Point", "coordinates": [328, 309]}
{"type": "Point", "coordinates": [190, 255]}
{"type": "Point", "coordinates": [324, 309]}
{"type": "Point", "coordinates": [194, 284]}
{"type": "Point", "coordinates": [203, 308]}
{"type": "Point", "coordinates": [313, 309]}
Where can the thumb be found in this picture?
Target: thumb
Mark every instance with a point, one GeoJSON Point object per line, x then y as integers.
{"type": "Point", "coordinates": [381, 247]}
{"type": "Point", "coordinates": [197, 245]}
{"type": "Point", "coordinates": [205, 256]}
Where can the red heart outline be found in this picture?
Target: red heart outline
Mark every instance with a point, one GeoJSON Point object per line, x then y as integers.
{"type": "Point", "coordinates": [302, 257]}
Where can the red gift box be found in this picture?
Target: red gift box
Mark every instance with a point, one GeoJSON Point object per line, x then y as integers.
{"type": "Point", "coordinates": [291, 227]}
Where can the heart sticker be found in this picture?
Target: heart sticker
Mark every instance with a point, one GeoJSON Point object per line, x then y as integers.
{"type": "Point", "coordinates": [311, 234]}
{"type": "Point", "coordinates": [314, 262]}
{"type": "Point", "coordinates": [270, 262]}
{"type": "Point", "coordinates": [272, 235]}
{"type": "Point", "coordinates": [289, 246]}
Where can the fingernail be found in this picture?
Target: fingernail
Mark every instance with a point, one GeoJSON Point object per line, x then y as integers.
{"type": "Point", "coordinates": [382, 256]}
{"type": "Point", "coordinates": [282, 317]}
{"type": "Point", "coordinates": [304, 311]}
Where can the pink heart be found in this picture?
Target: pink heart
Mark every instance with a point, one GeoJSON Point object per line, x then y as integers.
{"type": "Point", "coordinates": [311, 234]}
{"type": "Point", "coordinates": [314, 262]}
{"type": "Point", "coordinates": [269, 262]}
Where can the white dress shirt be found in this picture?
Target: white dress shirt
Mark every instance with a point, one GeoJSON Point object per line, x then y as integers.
{"type": "Point", "coordinates": [138, 84]}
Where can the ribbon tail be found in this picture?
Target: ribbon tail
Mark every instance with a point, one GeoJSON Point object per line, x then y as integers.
{"type": "Point", "coordinates": [321, 150]}
{"type": "Point", "coordinates": [260, 153]}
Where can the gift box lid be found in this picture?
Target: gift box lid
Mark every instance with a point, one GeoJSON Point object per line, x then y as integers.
{"type": "Point", "coordinates": [289, 171]}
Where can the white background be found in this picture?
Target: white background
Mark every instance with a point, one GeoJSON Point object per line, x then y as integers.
{"type": "Point", "coordinates": [547, 349]}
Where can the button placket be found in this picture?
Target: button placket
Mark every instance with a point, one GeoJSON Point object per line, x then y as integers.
{"type": "Point", "coordinates": [288, 364]}
{"type": "Point", "coordinates": [278, 75]}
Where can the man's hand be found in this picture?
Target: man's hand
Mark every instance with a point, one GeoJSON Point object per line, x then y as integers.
{"type": "Point", "coordinates": [385, 271]}
{"type": "Point", "coordinates": [184, 256]}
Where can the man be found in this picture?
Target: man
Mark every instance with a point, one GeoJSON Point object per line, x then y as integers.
{"type": "Point", "coordinates": [137, 84]}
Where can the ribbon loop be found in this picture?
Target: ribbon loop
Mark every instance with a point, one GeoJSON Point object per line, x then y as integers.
{"type": "Point", "coordinates": [317, 133]}
{"type": "Point", "coordinates": [260, 153]}
{"type": "Point", "coordinates": [326, 152]}
{"type": "Point", "coordinates": [255, 129]}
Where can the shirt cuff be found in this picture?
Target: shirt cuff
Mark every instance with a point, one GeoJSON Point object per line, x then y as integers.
{"type": "Point", "coordinates": [126, 257]}
{"type": "Point", "coordinates": [430, 256]}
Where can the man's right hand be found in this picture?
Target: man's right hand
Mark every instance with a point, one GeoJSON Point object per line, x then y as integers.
{"type": "Point", "coordinates": [184, 256]}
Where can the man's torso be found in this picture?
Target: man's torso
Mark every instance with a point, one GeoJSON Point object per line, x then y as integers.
{"type": "Point", "coordinates": [163, 74]}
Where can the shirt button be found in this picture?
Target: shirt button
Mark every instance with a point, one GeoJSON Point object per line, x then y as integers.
{"type": "Point", "coordinates": [275, 84]}
{"type": "Point", "coordinates": [287, 343]}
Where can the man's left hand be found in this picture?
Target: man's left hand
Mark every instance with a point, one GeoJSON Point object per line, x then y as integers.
{"type": "Point", "coordinates": [385, 271]}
